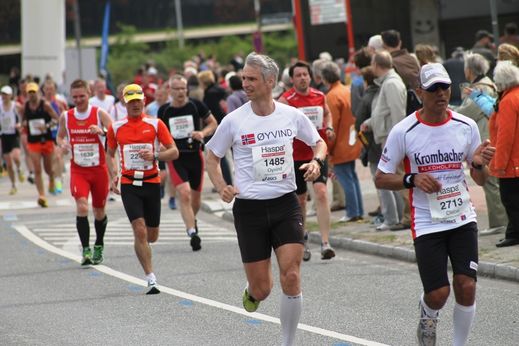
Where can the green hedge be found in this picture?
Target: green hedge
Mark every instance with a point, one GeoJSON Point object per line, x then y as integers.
{"type": "Point", "coordinates": [126, 55]}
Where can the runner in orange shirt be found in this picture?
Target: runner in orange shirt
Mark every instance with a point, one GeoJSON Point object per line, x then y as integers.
{"type": "Point", "coordinates": [138, 137]}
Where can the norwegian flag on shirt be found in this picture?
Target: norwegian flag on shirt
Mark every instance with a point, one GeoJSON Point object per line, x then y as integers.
{"type": "Point", "coordinates": [248, 139]}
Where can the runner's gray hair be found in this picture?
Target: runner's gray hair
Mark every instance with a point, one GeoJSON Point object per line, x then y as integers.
{"type": "Point", "coordinates": [330, 72]}
{"type": "Point", "coordinates": [477, 64]}
{"type": "Point", "coordinates": [267, 65]}
{"type": "Point", "coordinates": [506, 75]}
{"type": "Point", "coordinates": [317, 67]}
{"type": "Point", "coordinates": [177, 77]}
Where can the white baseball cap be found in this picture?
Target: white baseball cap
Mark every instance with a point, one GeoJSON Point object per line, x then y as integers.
{"type": "Point", "coordinates": [433, 73]}
{"type": "Point", "coordinates": [6, 89]}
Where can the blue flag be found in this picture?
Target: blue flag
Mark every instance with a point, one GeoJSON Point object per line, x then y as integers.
{"type": "Point", "coordinates": [104, 40]}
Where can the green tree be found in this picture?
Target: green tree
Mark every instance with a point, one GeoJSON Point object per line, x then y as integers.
{"type": "Point", "coordinates": [126, 55]}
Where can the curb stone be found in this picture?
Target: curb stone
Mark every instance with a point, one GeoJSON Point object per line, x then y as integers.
{"type": "Point", "coordinates": [488, 269]}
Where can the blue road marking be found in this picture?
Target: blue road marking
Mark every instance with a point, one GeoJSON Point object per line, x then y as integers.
{"type": "Point", "coordinates": [10, 217]}
{"type": "Point", "coordinates": [135, 288]}
{"type": "Point", "coordinates": [253, 322]}
{"type": "Point", "coordinates": [186, 302]}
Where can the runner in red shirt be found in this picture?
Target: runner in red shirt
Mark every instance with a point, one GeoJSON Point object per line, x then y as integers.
{"type": "Point", "coordinates": [83, 126]}
{"type": "Point", "coordinates": [138, 137]}
{"type": "Point", "coordinates": [312, 102]}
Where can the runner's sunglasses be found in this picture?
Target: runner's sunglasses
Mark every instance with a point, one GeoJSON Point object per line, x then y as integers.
{"type": "Point", "coordinates": [433, 88]}
{"type": "Point", "coordinates": [130, 93]}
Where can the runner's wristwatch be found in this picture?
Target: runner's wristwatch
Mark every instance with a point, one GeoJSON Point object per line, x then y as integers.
{"type": "Point", "coordinates": [319, 161]}
{"type": "Point", "coordinates": [409, 180]}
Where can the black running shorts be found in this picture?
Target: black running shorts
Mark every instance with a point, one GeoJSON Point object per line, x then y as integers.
{"type": "Point", "coordinates": [189, 167]}
{"type": "Point", "coordinates": [10, 142]}
{"type": "Point", "coordinates": [433, 250]}
{"type": "Point", "coordinates": [300, 179]}
{"type": "Point", "coordinates": [263, 225]}
{"type": "Point", "coordinates": [142, 201]}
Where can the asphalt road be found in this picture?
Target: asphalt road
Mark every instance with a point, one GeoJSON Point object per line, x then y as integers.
{"type": "Point", "coordinates": [47, 298]}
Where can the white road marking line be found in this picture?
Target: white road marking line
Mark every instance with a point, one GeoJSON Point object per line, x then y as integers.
{"type": "Point", "coordinates": [23, 230]}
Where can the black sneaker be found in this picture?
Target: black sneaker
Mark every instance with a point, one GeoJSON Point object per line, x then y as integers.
{"type": "Point", "coordinates": [195, 242]}
{"type": "Point", "coordinates": [195, 239]}
{"type": "Point", "coordinates": [327, 252]}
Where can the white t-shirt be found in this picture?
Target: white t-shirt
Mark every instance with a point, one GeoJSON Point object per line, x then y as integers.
{"type": "Point", "coordinates": [8, 119]}
{"type": "Point", "coordinates": [118, 112]}
{"type": "Point", "coordinates": [107, 104]}
{"type": "Point", "coordinates": [262, 148]}
{"type": "Point", "coordinates": [440, 150]}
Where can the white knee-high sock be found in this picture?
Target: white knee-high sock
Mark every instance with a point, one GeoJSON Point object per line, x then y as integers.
{"type": "Point", "coordinates": [462, 318]}
{"type": "Point", "coordinates": [427, 312]}
{"type": "Point", "coordinates": [290, 314]}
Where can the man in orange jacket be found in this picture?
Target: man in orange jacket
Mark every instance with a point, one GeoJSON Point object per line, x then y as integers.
{"type": "Point", "coordinates": [345, 149]}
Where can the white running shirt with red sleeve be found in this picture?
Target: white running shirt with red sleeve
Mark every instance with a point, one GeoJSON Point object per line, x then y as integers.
{"type": "Point", "coordinates": [439, 150]}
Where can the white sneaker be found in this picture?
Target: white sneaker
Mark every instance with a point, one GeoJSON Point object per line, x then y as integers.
{"type": "Point", "coordinates": [383, 227]}
{"type": "Point", "coordinates": [493, 230]}
{"type": "Point", "coordinates": [152, 287]}
{"type": "Point", "coordinates": [311, 212]}
{"type": "Point", "coordinates": [327, 252]}
{"type": "Point", "coordinates": [426, 332]}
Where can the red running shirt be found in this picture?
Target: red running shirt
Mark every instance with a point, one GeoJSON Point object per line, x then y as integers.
{"type": "Point", "coordinates": [312, 105]}
{"type": "Point", "coordinates": [87, 148]}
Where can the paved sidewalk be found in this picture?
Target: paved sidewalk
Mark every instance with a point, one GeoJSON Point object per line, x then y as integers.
{"type": "Point", "coordinates": [502, 263]}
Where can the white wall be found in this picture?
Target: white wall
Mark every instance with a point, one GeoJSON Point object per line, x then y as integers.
{"type": "Point", "coordinates": [43, 38]}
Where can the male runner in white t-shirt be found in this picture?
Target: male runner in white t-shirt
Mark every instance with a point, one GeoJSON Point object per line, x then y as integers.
{"type": "Point", "coordinates": [434, 142]}
{"type": "Point", "coordinates": [101, 99]}
{"type": "Point", "coordinates": [267, 214]}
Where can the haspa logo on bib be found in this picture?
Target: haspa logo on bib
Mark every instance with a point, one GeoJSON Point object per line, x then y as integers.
{"type": "Point", "coordinates": [275, 134]}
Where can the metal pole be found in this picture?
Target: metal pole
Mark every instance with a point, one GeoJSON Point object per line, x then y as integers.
{"type": "Point", "coordinates": [495, 26]}
{"type": "Point", "coordinates": [77, 33]}
{"type": "Point", "coordinates": [257, 9]}
{"type": "Point", "coordinates": [298, 19]}
{"type": "Point", "coordinates": [180, 26]}
{"type": "Point", "coordinates": [257, 36]}
{"type": "Point", "coordinates": [349, 29]}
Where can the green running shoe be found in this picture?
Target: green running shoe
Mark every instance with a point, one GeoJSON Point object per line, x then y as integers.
{"type": "Point", "coordinates": [249, 303]}
{"type": "Point", "coordinates": [87, 256]}
{"type": "Point", "coordinates": [98, 254]}
{"type": "Point", "coordinates": [59, 189]}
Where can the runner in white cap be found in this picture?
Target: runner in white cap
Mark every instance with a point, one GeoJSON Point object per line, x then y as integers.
{"type": "Point", "coordinates": [434, 142]}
